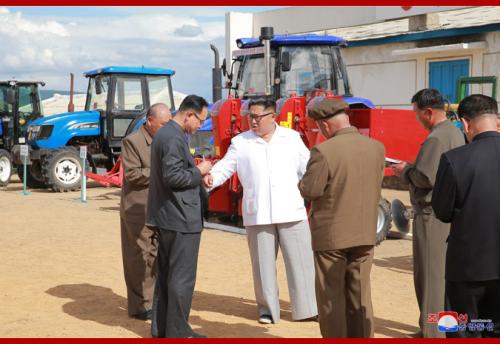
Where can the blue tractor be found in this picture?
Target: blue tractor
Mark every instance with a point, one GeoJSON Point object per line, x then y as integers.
{"type": "Point", "coordinates": [19, 106]}
{"type": "Point", "coordinates": [116, 96]}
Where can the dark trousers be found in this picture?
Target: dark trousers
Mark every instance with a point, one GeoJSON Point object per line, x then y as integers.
{"type": "Point", "coordinates": [479, 300]}
{"type": "Point", "coordinates": [138, 253]}
{"type": "Point", "coordinates": [176, 276]}
{"type": "Point", "coordinates": [343, 292]}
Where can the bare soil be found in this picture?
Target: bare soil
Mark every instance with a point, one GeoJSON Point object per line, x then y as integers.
{"type": "Point", "coordinates": [61, 275]}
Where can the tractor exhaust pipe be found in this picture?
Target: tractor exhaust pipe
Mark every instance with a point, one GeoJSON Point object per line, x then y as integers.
{"type": "Point", "coordinates": [266, 34]}
{"type": "Point", "coordinates": [71, 105]}
{"type": "Point", "coordinates": [216, 76]}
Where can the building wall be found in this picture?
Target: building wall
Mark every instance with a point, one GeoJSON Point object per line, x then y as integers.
{"type": "Point", "coordinates": [390, 81]}
{"type": "Point", "coordinates": [490, 60]}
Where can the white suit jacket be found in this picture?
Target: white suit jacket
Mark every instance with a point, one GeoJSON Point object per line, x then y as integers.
{"type": "Point", "coordinates": [269, 174]}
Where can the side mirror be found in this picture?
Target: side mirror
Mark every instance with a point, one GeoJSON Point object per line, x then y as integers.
{"type": "Point", "coordinates": [286, 61]}
{"type": "Point", "coordinates": [11, 96]}
{"type": "Point", "coordinates": [224, 67]}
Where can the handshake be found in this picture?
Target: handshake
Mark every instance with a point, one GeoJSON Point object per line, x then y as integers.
{"type": "Point", "coordinates": [205, 166]}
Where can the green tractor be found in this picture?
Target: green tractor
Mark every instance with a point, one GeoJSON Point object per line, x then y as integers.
{"type": "Point", "coordinates": [19, 106]}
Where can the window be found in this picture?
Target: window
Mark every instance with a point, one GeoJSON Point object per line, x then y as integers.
{"type": "Point", "coordinates": [5, 107]}
{"type": "Point", "coordinates": [28, 95]}
{"type": "Point", "coordinates": [159, 90]}
{"type": "Point", "coordinates": [311, 69]}
{"type": "Point", "coordinates": [98, 93]}
{"type": "Point", "coordinates": [252, 76]}
{"type": "Point", "coordinates": [128, 95]}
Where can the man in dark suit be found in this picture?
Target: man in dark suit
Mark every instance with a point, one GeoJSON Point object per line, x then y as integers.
{"type": "Point", "coordinates": [138, 249]}
{"type": "Point", "coordinates": [343, 181]}
{"type": "Point", "coordinates": [467, 194]}
{"type": "Point", "coordinates": [175, 209]}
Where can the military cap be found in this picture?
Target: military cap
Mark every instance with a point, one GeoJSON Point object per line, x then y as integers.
{"type": "Point", "coordinates": [327, 108]}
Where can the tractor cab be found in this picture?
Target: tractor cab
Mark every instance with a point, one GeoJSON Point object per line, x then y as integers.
{"type": "Point", "coordinates": [298, 66]}
{"type": "Point", "coordinates": [19, 106]}
{"type": "Point", "coordinates": [121, 94]}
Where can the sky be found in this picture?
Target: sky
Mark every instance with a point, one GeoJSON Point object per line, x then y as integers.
{"type": "Point", "coordinates": [48, 43]}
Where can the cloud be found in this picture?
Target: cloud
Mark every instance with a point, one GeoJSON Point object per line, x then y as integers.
{"type": "Point", "coordinates": [188, 31]}
{"type": "Point", "coordinates": [49, 48]}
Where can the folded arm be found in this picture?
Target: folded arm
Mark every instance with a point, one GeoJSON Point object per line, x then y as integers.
{"type": "Point", "coordinates": [174, 174]}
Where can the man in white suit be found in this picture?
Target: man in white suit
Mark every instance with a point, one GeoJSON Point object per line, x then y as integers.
{"type": "Point", "coordinates": [270, 161]}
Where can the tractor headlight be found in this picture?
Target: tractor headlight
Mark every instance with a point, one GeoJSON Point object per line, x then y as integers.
{"type": "Point", "coordinates": [40, 132]}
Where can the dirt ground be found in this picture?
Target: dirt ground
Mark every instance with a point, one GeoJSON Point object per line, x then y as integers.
{"type": "Point", "coordinates": [61, 275]}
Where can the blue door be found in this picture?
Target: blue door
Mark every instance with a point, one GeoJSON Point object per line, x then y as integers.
{"type": "Point", "coordinates": [443, 76]}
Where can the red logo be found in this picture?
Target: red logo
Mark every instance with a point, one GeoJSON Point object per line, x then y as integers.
{"type": "Point", "coordinates": [462, 319]}
{"type": "Point", "coordinates": [432, 318]}
{"type": "Point", "coordinates": [406, 8]}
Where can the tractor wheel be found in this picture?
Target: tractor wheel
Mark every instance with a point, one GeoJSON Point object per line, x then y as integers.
{"type": "Point", "coordinates": [34, 177]}
{"type": "Point", "coordinates": [384, 219]}
{"type": "Point", "coordinates": [5, 167]}
{"type": "Point", "coordinates": [62, 169]}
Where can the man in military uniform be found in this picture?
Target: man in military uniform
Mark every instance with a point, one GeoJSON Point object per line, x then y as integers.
{"type": "Point", "coordinates": [343, 181]}
{"type": "Point", "coordinates": [429, 234]}
{"type": "Point", "coordinates": [138, 249]}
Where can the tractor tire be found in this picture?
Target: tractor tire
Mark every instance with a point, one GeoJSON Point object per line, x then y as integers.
{"type": "Point", "coordinates": [34, 177]}
{"type": "Point", "coordinates": [5, 167]}
{"type": "Point", "coordinates": [62, 169]}
{"type": "Point", "coordinates": [384, 220]}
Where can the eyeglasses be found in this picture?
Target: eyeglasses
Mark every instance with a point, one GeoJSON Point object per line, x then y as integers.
{"type": "Point", "coordinates": [258, 118]}
{"type": "Point", "coordinates": [198, 117]}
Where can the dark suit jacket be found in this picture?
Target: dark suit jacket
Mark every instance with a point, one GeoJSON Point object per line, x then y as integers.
{"type": "Point", "coordinates": [467, 194]}
{"type": "Point", "coordinates": [343, 180]}
{"type": "Point", "coordinates": [136, 156]}
{"type": "Point", "coordinates": [174, 191]}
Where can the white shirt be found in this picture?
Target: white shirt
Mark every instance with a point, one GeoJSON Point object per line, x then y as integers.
{"type": "Point", "coordinates": [269, 173]}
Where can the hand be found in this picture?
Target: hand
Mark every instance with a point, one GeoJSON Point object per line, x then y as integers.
{"type": "Point", "coordinates": [204, 167]}
{"type": "Point", "coordinates": [208, 181]}
{"type": "Point", "coordinates": [398, 168]}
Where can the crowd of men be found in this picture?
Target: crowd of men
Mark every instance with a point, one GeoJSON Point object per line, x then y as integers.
{"type": "Point", "coordinates": [328, 253]}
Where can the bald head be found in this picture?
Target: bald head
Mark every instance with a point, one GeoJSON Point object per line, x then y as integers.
{"type": "Point", "coordinates": [158, 115]}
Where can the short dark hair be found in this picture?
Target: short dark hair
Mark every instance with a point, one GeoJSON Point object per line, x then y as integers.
{"type": "Point", "coordinates": [477, 105]}
{"type": "Point", "coordinates": [267, 103]}
{"type": "Point", "coordinates": [428, 98]}
{"type": "Point", "coordinates": [194, 103]}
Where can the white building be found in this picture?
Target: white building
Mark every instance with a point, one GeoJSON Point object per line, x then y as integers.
{"type": "Point", "coordinates": [393, 52]}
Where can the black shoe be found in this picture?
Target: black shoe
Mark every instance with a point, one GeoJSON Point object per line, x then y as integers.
{"type": "Point", "coordinates": [143, 316]}
{"type": "Point", "coordinates": [197, 335]}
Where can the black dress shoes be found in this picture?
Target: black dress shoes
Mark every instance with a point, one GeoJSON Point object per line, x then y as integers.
{"type": "Point", "coordinates": [143, 316]}
{"type": "Point", "coordinates": [197, 335]}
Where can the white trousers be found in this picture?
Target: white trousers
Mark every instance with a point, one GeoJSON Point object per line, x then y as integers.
{"type": "Point", "coordinates": [294, 239]}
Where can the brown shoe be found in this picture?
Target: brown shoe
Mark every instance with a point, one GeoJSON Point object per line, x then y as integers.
{"type": "Point", "coordinates": [414, 335]}
{"type": "Point", "coordinates": [314, 318]}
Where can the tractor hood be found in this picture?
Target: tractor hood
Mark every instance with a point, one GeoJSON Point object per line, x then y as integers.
{"type": "Point", "coordinates": [73, 117]}
{"type": "Point", "coordinates": [55, 131]}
